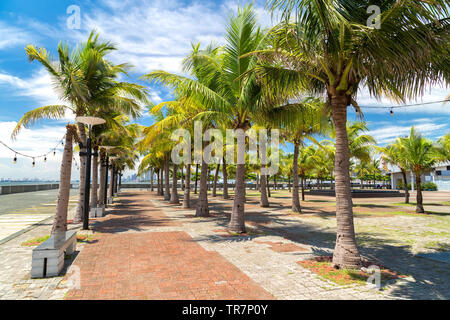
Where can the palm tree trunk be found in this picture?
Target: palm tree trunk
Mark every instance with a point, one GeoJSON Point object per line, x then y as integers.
{"type": "Point", "coordinates": [264, 201]}
{"type": "Point", "coordinates": [237, 222]}
{"type": "Point", "coordinates": [202, 206]}
{"type": "Point", "coordinates": [275, 186]}
{"type": "Point", "coordinates": [94, 198]}
{"type": "Point", "coordinates": [60, 222]}
{"type": "Point", "coordinates": [111, 182]}
{"type": "Point", "coordinates": [81, 187]}
{"type": "Point", "coordinates": [214, 193]}
{"type": "Point", "coordinates": [269, 194]}
{"type": "Point", "coordinates": [101, 189]}
{"type": "Point", "coordinates": [303, 186]}
{"type": "Point", "coordinates": [182, 177]}
{"type": "Point", "coordinates": [167, 178]}
{"type": "Point", "coordinates": [405, 182]}
{"type": "Point", "coordinates": [159, 182]}
{"type": "Point", "coordinates": [187, 188]}
{"type": "Point", "coordinates": [225, 180]}
{"type": "Point", "coordinates": [174, 199]}
{"type": "Point", "coordinates": [419, 201]}
{"type": "Point", "coordinates": [151, 180]}
{"type": "Point", "coordinates": [196, 179]}
{"type": "Point", "coordinates": [158, 185]}
{"type": "Point", "coordinates": [161, 179]}
{"type": "Point", "coordinates": [295, 189]}
{"type": "Point", "coordinates": [346, 253]}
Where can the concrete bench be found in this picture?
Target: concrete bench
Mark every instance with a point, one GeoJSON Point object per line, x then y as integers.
{"type": "Point", "coordinates": [48, 258]}
{"type": "Point", "coordinates": [98, 212]}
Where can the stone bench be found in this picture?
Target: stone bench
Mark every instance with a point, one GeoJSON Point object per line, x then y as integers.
{"type": "Point", "coordinates": [98, 212]}
{"type": "Point", "coordinates": [48, 258]}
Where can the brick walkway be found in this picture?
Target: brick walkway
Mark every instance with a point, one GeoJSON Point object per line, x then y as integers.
{"type": "Point", "coordinates": [133, 258]}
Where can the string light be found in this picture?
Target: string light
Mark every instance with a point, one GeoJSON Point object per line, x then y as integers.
{"type": "Point", "coordinates": [406, 105]}
{"type": "Point", "coordinates": [16, 153]}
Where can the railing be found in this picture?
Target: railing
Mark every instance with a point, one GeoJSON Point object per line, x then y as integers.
{"type": "Point", "coordinates": [22, 188]}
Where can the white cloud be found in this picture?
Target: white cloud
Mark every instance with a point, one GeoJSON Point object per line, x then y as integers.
{"type": "Point", "coordinates": [388, 134]}
{"type": "Point", "coordinates": [39, 88]}
{"type": "Point", "coordinates": [12, 36]}
{"type": "Point", "coordinates": [32, 142]}
{"type": "Point", "coordinates": [437, 93]}
{"type": "Point", "coordinates": [154, 35]}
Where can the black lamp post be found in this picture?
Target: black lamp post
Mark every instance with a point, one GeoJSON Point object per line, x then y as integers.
{"type": "Point", "coordinates": [90, 121]}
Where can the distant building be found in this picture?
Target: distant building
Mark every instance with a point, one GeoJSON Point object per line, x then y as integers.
{"type": "Point", "coordinates": [440, 175]}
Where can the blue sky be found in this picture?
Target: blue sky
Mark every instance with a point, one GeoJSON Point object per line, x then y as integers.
{"type": "Point", "coordinates": [151, 35]}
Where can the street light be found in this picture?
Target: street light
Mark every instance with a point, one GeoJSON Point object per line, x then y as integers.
{"type": "Point", "coordinates": [90, 121]}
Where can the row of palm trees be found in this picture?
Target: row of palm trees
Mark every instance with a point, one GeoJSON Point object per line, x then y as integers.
{"type": "Point", "coordinates": [418, 155]}
{"type": "Point", "coordinates": [298, 77]}
{"type": "Point", "coordinates": [266, 78]}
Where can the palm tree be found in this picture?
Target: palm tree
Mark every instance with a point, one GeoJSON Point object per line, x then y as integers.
{"type": "Point", "coordinates": [331, 45]}
{"type": "Point", "coordinates": [87, 82]}
{"type": "Point", "coordinates": [420, 156]}
{"type": "Point", "coordinates": [297, 121]}
{"type": "Point", "coordinates": [305, 165]}
{"type": "Point", "coordinates": [227, 91]}
{"type": "Point", "coordinates": [443, 148]}
{"type": "Point", "coordinates": [393, 155]}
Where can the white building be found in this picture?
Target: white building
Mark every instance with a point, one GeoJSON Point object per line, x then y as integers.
{"type": "Point", "coordinates": [440, 175]}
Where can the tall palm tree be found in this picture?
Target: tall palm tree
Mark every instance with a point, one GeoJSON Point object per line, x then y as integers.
{"type": "Point", "coordinates": [421, 156]}
{"type": "Point", "coordinates": [228, 93]}
{"type": "Point", "coordinates": [331, 45]}
{"type": "Point", "coordinates": [298, 121]}
{"type": "Point", "coordinates": [443, 148]}
{"type": "Point", "coordinates": [88, 83]}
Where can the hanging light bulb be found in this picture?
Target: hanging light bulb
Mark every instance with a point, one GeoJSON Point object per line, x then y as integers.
{"type": "Point", "coordinates": [54, 152]}
{"type": "Point", "coordinates": [392, 111]}
{"type": "Point", "coordinates": [15, 159]}
{"type": "Point", "coordinates": [34, 163]}
{"type": "Point", "coordinates": [45, 159]}
{"type": "Point", "coordinates": [330, 121]}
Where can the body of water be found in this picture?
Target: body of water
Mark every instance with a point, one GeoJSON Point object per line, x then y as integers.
{"type": "Point", "coordinates": [20, 183]}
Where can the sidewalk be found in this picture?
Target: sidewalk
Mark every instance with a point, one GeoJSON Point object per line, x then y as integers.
{"type": "Point", "coordinates": [140, 253]}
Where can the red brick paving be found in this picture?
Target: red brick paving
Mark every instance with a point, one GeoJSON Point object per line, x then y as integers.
{"type": "Point", "coordinates": [155, 265]}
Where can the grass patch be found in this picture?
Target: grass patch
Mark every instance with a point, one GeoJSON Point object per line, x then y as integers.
{"type": "Point", "coordinates": [322, 267]}
{"type": "Point", "coordinates": [438, 246]}
{"type": "Point", "coordinates": [38, 241]}
{"type": "Point", "coordinates": [83, 238]}
{"type": "Point", "coordinates": [35, 242]}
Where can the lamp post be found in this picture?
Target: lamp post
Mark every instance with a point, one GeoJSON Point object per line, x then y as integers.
{"type": "Point", "coordinates": [90, 121]}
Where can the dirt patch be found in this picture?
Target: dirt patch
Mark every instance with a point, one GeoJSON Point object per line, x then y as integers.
{"type": "Point", "coordinates": [283, 247]}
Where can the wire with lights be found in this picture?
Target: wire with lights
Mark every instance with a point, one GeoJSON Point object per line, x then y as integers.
{"type": "Point", "coordinates": [391, 108]}
{"type": "Point", "coordinates": [18, 153]}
